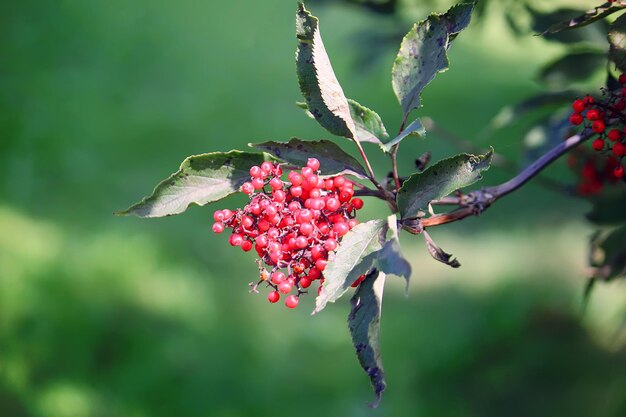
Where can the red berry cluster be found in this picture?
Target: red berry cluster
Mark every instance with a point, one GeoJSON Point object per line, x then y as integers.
{"type": "Point", "coordinates": [606, 118]}
{"type": "Point", "coordinates": [594, 171]}
{"type": "Point", "coordinates": [293, 225]}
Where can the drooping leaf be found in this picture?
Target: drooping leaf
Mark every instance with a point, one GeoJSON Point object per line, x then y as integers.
{"type": "Point", "coordinates": [617, 42]}
{"type": "Point", "coordinates": [423, 53]}
{"type": "Point", "coordinates": [352, 259]}
{"type": "Point", "coordinates": [369, 126]}
{"type": "Point", "coordinates": [390, 259]}
{"type": "Point", "coordinates": [364, 325]}
{"type": "Point", "coordinates": [439, 254]}
{"type": "Point", "coordinates": [608, 254]}
{"type": "Point", "coordinates": [604, 208]}
{"type": "Point", "coordinates": [201, 179]}
{"type": "Point", "coordinates": [439, 180]}
{"type": "Point", "coordinates": [540, 20]}
{"type": "Point", "coordinates": [588, 17]}
{"type": "Point", "coordinates": [319, 86]}
{"type": "Point", "coordinates": [571, 68]}
{"type": "Point", "coordinates": [414, 129]}
{"type": "Point", "coordinates": [333, 159]}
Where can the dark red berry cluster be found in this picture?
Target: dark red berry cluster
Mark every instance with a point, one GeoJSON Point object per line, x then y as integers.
{"type": "Point", "coordinates": [594, 171]}
{"type": "Point", "coordinates": [293, 225]}
{"type": "Point", "coordinates": [606, 117]}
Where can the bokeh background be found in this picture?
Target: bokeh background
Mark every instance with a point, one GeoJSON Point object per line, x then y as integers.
{"type": "Point", "coordinates": [106, 316]}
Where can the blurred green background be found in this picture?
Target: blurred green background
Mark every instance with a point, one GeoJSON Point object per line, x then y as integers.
{"type": "Point", "coordinates": [106, 316]}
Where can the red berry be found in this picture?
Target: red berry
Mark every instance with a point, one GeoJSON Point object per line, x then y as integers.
{"type": "Point", "coordinates": [593, 115]}
{"type": "Point", "coordinates": [341, 228]}
{"type": "Point", "coordinates": [235, 239]}
{"type": "Point", "coordinates": [258, 183]}
{"type": "Point", "coordinates": [267, 167]}
{"type": "Point", "coordinates": [622, 78]}
{"type": "Point", "coordinates": [291, 301]}
{"type": "Point", "coordinates": [278, 277]}
{"type": "Point", "coordinates": [576, 119]}
{"type": "Point", "coordinates": [218, 227]}
{"type": "Point", "coordinates": [273, 297]}
{"type": "Point", "coordinates": [246, 246]}
{"type": "Point", "coordinates": [579, 106]}
{"type": "Point", "coordinates": [255, 172]}
{"type": "Point", "coordinates": [357, 203]}
{"type": "Point", "coordinates": [619, 149]}
{"type": "Point", "coordinates": [330, 245]}
{"type": "Point", "coordinates": [247, 188]}
{"type": "Point", "coordinates": [614, 135]}
{"type": "Point", "coordinates": [619, 172]}
{"type": "Point", "coordinates": [598, 144]}
{"type": "Point", "coordinates": [313, 163]}
{"type": "Point", "coordinates": [305, 282]}
{"type": "Point", "coordinates": [321, 264]}
{"type": "Point", "coordinates": [285, 287]}
{"type": "Point", "coordinates": [598, 126]}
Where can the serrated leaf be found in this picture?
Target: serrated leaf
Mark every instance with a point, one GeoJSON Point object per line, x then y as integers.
{"type": "Point", "coordinates": [364, 325]}
{"type": "Point", "coordinates": [423, 53]}
{"type": "Point", "coordinates": [608, 254]}
{"type": "Point", "coordinates": [201, 179]}
{"type": "Point", "coordinates": [352, 259]}
{"type": "Point", "coordinates": [369, 126]}
{"type": "Point", "coordinates": [439, 254]}
{"type": "Point", "coordinates": [319, 86]}
{"type": "Point", "coordinates": [571, 68]}
{"type": "Point", "coordinates": [617, 42]}
{"type": "Point", "coordinates": [333, 159]}
{"type": "Point", "coordinates": [588, 17]}
{"type": "Point", "coordinates": [414, 129]}
{"type": "Point", "coordinates": [439, 180]}
{"type": "Point", "coordinates": [605, 208]}
{"type": "Point", "coordinates": [592, 33]}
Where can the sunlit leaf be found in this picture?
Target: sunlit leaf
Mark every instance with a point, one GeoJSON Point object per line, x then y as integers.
{"type": "Point", "coordinates": [351, 261]}
{"type": "Point", "coordinates": [333, 159]}
{"type": "Point", "coordinates": [439, 180]}
{"type": "Point", "coordinates": [369, 126]}
{"type": "Point", "coordinates": [588, 17]}
{"type": "Point", "coordinates": [423, 53]}
{"type": "Point", "coordinates": [319, 86]}
{"type": "Point", "coordinates": [364, 325]}
{"type": "Point", "coordinates": [617, 42]}
{"type": "Point", "coordinates": [414, 129]}
{"type": "Point", "coordinates": [201, 179]}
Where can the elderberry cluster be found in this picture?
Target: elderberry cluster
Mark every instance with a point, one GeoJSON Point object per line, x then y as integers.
{"type": "Point", "coordinates": [293, 225]}
{"type": "Point", "coordinates": [606, 117]}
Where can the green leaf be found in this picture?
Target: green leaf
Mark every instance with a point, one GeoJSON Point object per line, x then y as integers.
{"type": "Point", "coordinates": [369, 126]}
{"type": "Point", "coordinates": [617, 42]}
{"type": "Point", "coordinates": [351, 260]}
{"type": "Point", "coordinates": [414, 129]}
{"type": "Point", "coordinates": [318, 84]}
{"type": "Point", "coordinates": [364, 325]}
{"type": "Point", "coordinates": [592, 33]}
{"type": "Point", "coordinates": [439, 254]}
{"type": "Point", "coordinates": [201, 179]}
{"type": "Point", "coordinates": [608, 254]}
{"type": "Point", "coordinates": [423, 53]}
{"type": "Point", "coordinates": [573, 67]}
{"type": "Point", "coordinates": [586, 18]}
{"type": "Point", "coordinates": [439, 180]}
{"type": "Point", "coordinates": [333, 159]}
{"type": "Point", "coordinates": [390, 259]}
{"type": "Point", "coordinates": [605, 208]}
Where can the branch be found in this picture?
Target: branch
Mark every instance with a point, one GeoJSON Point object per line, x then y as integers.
{"type": "Point", "coordinates": [478, 201]}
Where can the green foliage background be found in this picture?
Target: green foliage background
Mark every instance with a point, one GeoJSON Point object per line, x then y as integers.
{"type": "Point", "coordinates": [105, 316]}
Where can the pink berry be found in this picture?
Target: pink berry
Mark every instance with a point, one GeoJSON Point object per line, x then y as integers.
{"type": "Point", "coordinates": [291, 301]}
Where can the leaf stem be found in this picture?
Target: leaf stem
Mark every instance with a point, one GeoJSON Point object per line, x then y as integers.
{"type": "Point", "coordinates": [478, 201]}
{"type": "Point", "coordinates": [394, 155]}
{"type": "Point", "coordinates": [384, 194]}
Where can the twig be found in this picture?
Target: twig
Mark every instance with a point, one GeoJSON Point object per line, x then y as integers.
{"type": "Point", "coordinates": [478, 201]}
